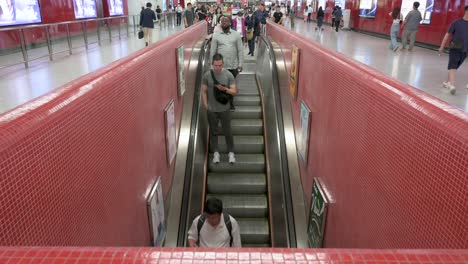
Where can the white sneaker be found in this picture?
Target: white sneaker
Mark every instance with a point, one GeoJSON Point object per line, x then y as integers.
{"type": "Point", "coordinates": [450, 87]}
{"type": "Point", "coordinates": [216, 158]}
{"type": "Point", "coordinates": [232, 158]}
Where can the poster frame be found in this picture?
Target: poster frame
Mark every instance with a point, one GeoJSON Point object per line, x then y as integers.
{"type": "Point", "coordinates": [84, 18]}
{"type": "Point", "coordinates": [303, 144]}
{"type": "Point", "coordinates": [155, 209]}
{"type": "Point", "coordinates": [294, 72]}
{"type": "Point", "coordinates": [313, 216]}
{"type": "Point", "coordinates": [180, 70]}
{"type": "Point", "coordinates": [27, 23]}
{"type": "Point", "coordinates": [170, 132]}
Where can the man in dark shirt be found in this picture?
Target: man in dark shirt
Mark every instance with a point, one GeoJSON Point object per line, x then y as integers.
{"type": "Point", "coordinates": [411, 25]}
{"type": "Point", "coordinates": [458, 34]}
{"type": "Point", "coordinates": [261, 16]}
{"type": "Point", "coordinates": [147, 23]}
{"type": "Point", "coordinates": [189, 16]}
{"type": "Point", "coordinates": [278, 16]}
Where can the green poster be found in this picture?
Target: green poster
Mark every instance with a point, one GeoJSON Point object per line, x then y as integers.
{"type": "Point", "coordinates": [317, 216]}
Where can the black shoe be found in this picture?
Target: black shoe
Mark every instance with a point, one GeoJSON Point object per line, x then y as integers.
{"type": "Point", "coordinates": [146, 44]}
{"type": "Point", "coordinates": [252, 54]}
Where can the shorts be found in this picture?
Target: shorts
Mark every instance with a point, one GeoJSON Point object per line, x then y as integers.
{"type": "Point", "coordinates": [456, 58]}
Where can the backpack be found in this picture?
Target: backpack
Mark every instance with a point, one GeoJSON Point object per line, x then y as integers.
{"type": "Point", "coordinates": [227, 222]}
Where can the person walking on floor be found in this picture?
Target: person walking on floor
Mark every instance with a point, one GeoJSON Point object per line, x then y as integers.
{"type": "Point", "coordinates": [189, 16]}
{"type": "Point", "coordinates": [320, 16]}
{"type": "Point", "coordinates": [338, 16]}
{"type": "Point", "coordinates": [228, 43]}
{"type": "Point", "coordinates": [179, 11]}
{"type": "Point", "coordinates": [252, 31]}
{"type": "Point", "coordinates": [333, 16]}
{"type": "Point", "coordinates": [158, 12]}
{"type": "Point", "coordinates": [411, 25]}
{"type": "Point", "coordinates": [217, 83]}
{"type": "Point", "coordinates": [221, 231]}
{"type": "Point", "coordinates": [457, 35]}
{"type": "Point", "coordinates": [147, 18]}
{"type": "Point", "coordinates": [395, 29]}
{"type": "Point", "coordinates": [309, 13]}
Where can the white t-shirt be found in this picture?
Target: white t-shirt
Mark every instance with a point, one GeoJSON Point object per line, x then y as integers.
{"type": "Point", "coordinates": [239, 24]}
{"type": "Point", "coordinates": [216, 237]}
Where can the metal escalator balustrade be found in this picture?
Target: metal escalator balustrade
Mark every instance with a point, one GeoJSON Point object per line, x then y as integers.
{"type": "Point", "coordinates": [243, 186]}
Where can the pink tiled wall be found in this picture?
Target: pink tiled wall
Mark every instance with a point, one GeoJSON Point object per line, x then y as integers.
{"type": "Point", "coordinates": [393, 160]}
{"type": "Point", "coordinates": [227, 256]}
{"type": "Point", "coordinates": [77, 164]}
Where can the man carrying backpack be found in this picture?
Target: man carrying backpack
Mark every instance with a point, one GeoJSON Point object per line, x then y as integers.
{"type": "Point", "coordinates": [214, 229]}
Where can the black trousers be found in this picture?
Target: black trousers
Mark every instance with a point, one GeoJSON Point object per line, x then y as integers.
{"type": "Point", "coordinates": [179, 18]}
{"type": "Point", "coordinates": [252, 44]}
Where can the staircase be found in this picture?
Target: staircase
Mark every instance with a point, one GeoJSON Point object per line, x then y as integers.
{"type": "Point", "coordinates": [243, 186]}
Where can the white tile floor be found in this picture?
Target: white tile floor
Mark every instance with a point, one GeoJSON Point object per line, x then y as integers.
{"type": "Point", "coordinates": [421, 68]}
{"type": "Point", "coordinates": [19, 85]}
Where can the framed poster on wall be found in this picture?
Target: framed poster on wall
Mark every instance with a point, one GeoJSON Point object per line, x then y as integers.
{"type": "Point", "coordinates": [368, 8]}
{"type": "Point", "coordinates": [19, 12]}
{"type": "Point", "coordinates": [323, 4]}
{"type": "Point", "coordinates": [170, 127]}
{"type": "Point", "coordinates": [116, 7]}
{"type": "Point", "coordinates": [304, 133]}
{"type": "Point", "coordinates": [294, 73]}
{"type": "Point", "coordinates": [317, 216]}
{"type": "Point", "coordinates": [180, 70]}
{"type": "Point", "coordinates": [85, 9]}
{"type": "Point", "coordinates": [155, 207]}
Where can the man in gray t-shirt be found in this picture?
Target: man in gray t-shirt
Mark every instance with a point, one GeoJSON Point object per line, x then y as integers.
{"type": "Point", "coordinates": [411, 25]}
{"type": "Point", "coordinates": [189, 16]}
{"type": "Point", "coordinates": [218, 111]}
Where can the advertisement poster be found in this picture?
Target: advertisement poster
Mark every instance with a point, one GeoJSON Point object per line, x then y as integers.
{"type": "Point", "coordinates": [317, 216]}
{"type": "Point", "coordinates": [368, 8]}
{"type": "Point", "coordinates": [180, 70]}
{"type": "Point", "coordinates": [322, 3]}
{"type": "Point", "coordinates": [85, 9]}
{"type": "Point", "coordinates": [304, 133]}
{"type": "Point", "coordinates": [155, 205]}
{"type": "Point", "coordinates": [340, 3]}
{"type": "Point", "coordinates": [293, 75]}
{"type": "Point", "coordinates": [170, 125]}
{"type": "Point", "coordinates": [116, 7]}
{"type": "Point", "coordinates": [425, 8]}
{"type": "Point", "coordinates": [19, 12]}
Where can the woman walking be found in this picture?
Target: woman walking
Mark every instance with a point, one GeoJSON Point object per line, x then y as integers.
{"type": "Point", "coordinates": [395, 29]}
{"type": "Point", "coordinates": [320, 15]}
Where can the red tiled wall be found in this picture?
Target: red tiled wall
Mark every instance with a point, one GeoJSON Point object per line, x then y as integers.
{"type": "Point", "coordinates": [393, 159]}
{"type": "Point", "coordinates": [77, 164]}
{"type": "Point", "coordinates": [227, 256]}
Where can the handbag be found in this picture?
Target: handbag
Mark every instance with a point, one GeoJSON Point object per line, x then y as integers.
{"type": "Point", "coordinates": [220, 96]}
{"type": "Point", "coordinates": [250, 34]}
{"type": "Point", "coordinates": [141, 34]}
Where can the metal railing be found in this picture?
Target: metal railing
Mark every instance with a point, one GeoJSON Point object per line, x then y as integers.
{"type": "Point", "coordinates": [89, 28]}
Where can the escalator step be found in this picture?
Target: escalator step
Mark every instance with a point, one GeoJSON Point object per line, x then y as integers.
{"type": "Point", "coordinates": [242, 144]}
{"type": "Point", "coordinates": [247, 112]}
{"type": "Point", "coordinates": [247, 127]}
{"type": "Point", "coordinates": [256, 245]}
{"type": "Point", "coordinates": [236, 183]}
{"type": "Point", "coordinates": [254, 231]}
{"type": "Point", "coordinates": [245, 163]}
{"type": "Point", "coordinates": [244, 205]}
{"type": "Point", "coordinates": [246, 100]}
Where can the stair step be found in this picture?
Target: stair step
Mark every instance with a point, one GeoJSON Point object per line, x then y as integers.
{"type": "Point", "coordinates": [247, 127]}
{"type": "Point", "coordinates": [246, 100]}
{"type": "Point", "coordinates": [224, 183]}
{"type": "Point", "coordinates": [247, 112]}
{"type": "Point", "coordinates": [242, 144]}
{"type": "Point", "coordinates": [256, 245]}
{"type": "Point", "coordinates": [244, 205]}
{"type": "Point", "coordinates": [245, 163]}
{"type": "Point", "coordinates": [254, 230]}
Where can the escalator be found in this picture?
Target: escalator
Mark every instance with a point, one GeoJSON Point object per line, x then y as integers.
{"type": "Point", "coordinates": [256, 190]}
{"type": "Point", "coordinates": [243, 186]}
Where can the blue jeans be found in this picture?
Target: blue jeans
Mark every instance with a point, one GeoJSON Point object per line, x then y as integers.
{"type": "Point", "coordinates": [393, 35]}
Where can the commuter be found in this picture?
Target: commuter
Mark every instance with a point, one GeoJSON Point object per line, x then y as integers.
{"type": "Point", "coordinates": [229, 44]}
{"type": "Point", "coordinates": [304, 15]}
{"type": "Point", "coordinates": [211, 20]}
{"type": "Point", "coordinates": [251, 24]}
{"type": "Point", "coordinates": [179, 11]}
{"type": "Point", "coordinates": [338, 16]}
{"type": "Point", "coordinates": [292, 16]}
{"type": "Point", "coordinates": [219, 83]}
{"type": "Point", "coordinates": [309, 14]}
{"type": "Point", "coordinates": [411, 25]}
{"type": "Point", "coordinates": [261, 16]}
{"type": "Point", "coordinates": [189, 16]}
{"type": "Point", "coordinates": [222, 230]}
{"type": "Point", "coordinates": [147, 18]}
{"type": "Point", "coordinates": [395, 29]}
{"type": "Point", "coordinates": [320, 16]}
{"type": "Point", "coordinates": [278, 16]}
{"type": "Point", "coordinates": [170, 14]}
{"type": "Point", "coordinates": [458, 49]}
{"type": "Point", "coordinates": [239, 25]}
{"type": "Point", "coordinates": [201, 13]}
{"type": "Point", "coordinates": [333, 16]}
{"type": "Point", "coordinates": [158, 12]}
{"type": "Point", "coordinates": [284, 10]}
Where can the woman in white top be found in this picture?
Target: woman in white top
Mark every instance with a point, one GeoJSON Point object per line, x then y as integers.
{"type": "Point", "coordinates": [395, 29]}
